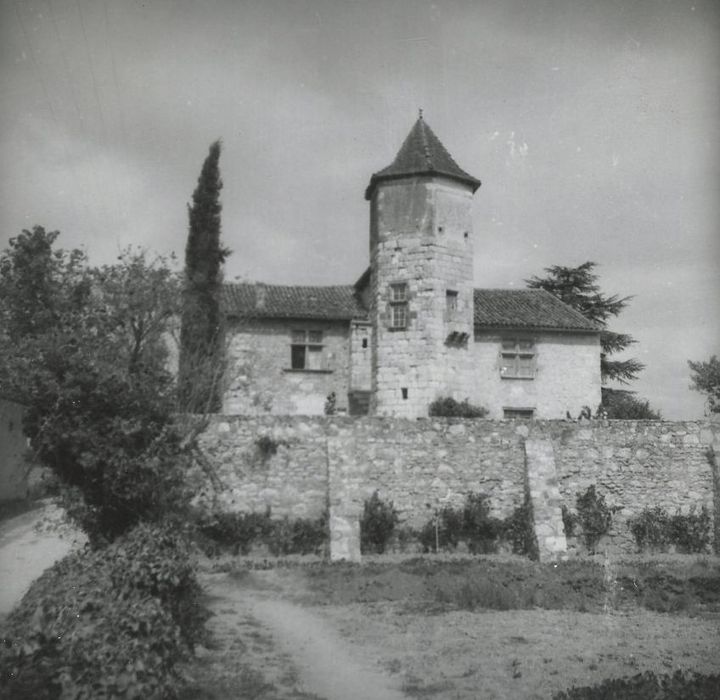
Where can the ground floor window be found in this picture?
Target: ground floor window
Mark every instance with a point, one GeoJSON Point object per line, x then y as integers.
{"type": "Point", "coordinates": [306, 350]}
{"type": "Point", "coordinates": [518, 413]}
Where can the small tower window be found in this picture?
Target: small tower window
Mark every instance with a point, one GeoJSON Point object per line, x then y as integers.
{"type": "Point", "coordinates": [451, 301]}
{"type": "Point", "coordinates": [398, 305]}
{"type": "Point", "coordinates": [404, 392]}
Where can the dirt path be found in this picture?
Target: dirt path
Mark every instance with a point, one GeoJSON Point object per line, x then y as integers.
{"type": "Point", "coordinates": [319, 648]}
{"type": "Point", "coordinates": [293, 646]}
{"type": "Point", "coordinates": [326, 665]}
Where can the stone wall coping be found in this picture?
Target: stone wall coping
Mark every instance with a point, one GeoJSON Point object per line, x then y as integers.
{"type": "Point", "coordinates": [529, 426]}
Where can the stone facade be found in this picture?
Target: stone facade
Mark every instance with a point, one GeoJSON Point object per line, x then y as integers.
{"type": "Point", "coordinates": [638, 465]}
{"type": "Point", "coordinates": [260, 377]}
{"type": "Point", "coordinates": [420, 239]}
{"type": "Point", "coordinates": [299, 466]}
{"type": "Point", "coordinates": [565, 375]}
{"type": "Point", "coordinates": [266, 462]}
{"type": "Point", "coordinates": [413, 328]}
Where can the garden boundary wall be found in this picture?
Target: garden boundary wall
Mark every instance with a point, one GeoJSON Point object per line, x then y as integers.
{"type": "Point", "coordinates": [300, 466]}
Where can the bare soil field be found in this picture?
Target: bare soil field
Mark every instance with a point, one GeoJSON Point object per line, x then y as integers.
{"type": "Point", "coordinates": [472, 628]}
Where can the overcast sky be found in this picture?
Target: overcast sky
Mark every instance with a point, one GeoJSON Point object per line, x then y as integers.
{"type": "Point", "coordinates": [592, 125]}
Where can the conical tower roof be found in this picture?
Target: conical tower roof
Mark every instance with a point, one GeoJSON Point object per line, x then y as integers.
{"type": "Point", "coordinates": [422, 153]}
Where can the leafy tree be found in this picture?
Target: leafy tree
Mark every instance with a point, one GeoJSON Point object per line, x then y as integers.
{"type": "Point", "coordinates": [140, 298]}
{"type": "Point", "coordinates": [201, 334]}
{"type": "Point", "coordinates": [39, 285]}
{"type": "Point", "coordinates": [577, 287]}
{"type": "Point", "coordinates": [706, 379]}
{"type": "Point", "coordinates": [82, 348]}
{"type": "Point", "coordinates": [620, 403]}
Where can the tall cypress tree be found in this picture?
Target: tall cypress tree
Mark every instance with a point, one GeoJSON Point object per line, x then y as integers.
{"type": "Point", "coordinates": [201, 332]}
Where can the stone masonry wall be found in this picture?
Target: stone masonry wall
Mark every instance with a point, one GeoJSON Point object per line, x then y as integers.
{"type": "Point", "coordinates": [420, 236]}
{"type": "Point", "coordinates": [268, 461]}
{"type": "Point", "coordinates": [636, 465]}
{"type": "Point", "coordinates": [299, 465]}
{"type": "Point", "coordinates": [259, 379]}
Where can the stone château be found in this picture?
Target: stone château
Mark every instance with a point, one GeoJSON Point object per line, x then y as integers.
{"type": "Point", "coordinates": [414, 327]}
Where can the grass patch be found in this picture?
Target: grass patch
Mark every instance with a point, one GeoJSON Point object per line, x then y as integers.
{"type": "Point", "coordinates": [681, 685]}
{"type": "Point", "coordinates": [518, 584]}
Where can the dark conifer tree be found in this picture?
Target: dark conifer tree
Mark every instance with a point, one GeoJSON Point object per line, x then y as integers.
{"type": "Point", "coordinates": [201, 332]}
{"type": "Point", "coordinates": [706, 379]}
{"type": "Point", "coordinates": [577, 287]}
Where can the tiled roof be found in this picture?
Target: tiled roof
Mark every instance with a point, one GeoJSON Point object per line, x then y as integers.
{"type": "Point", "coordinates": [527, 308]}
{"type": "Point", "coordinates": [422, 153]}
{"type": "Point", "coordinates": [277, 301]}
{"type": "Point", "coordinates": [507, 308]}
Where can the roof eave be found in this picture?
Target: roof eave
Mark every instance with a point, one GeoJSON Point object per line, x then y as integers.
{"type": "Point", "coordinates": [522, 327]}
{"type": "Point", "coordinates": [376, 178]}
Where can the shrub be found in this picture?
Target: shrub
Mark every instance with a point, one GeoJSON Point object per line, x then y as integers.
{"type": "Point", "coordinates": [236, 532]}
{"type": "Point", "coordinates": [106, 623]}
{"type": "Point", "coordinates": [157, 562]}
{"type": "Point", "coordinates": [682, 685]}
{"type": "Point", "coordinates": [654, 529]}
{"type": "Point", "coordinates": [239, 532]}
{"type": "Point", "coordinates": [450, 408]}
{"type": "Point", "coordinates": [266, 446]}
{"type": "Point", "coordinates": [482, 532]}
{"type": "Point", "coordinates": [443, 531]}
{"type": "Point", "coordinates": [690, 533]}
{"type": "Point", "coordinates": [479, 529]}
{"type": "Point", "coordinates": [377, 524]}
{"type": "Point", "coordinates": [407, 538]}
{"type": "Point", "coordinates": [594, 515]}
{"type": "Point", "coordinates": [311, 536]}
{"type": "Point", "coordinates": [650, 528]}
{"type": "Point", "coordinates": [299, 536]}
{"type": "Point", "coordinates": [519, 530]}
{"type": "Point", "coordinates": [570, 521]}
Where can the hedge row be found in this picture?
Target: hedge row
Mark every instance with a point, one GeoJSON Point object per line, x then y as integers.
{"type": "Point", "coordinates": [106, 623]}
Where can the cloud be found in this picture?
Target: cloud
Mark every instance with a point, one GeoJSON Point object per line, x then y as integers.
{"type": "Point", "coordinates": [593, 127]}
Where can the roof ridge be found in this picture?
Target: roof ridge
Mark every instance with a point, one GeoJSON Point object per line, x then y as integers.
{"type": "Point", "coordinates": [290, 286]}
{"type": "Point", "coordinates": [425, 144]}
{"type": "Point", "coordinates": [508, 289]}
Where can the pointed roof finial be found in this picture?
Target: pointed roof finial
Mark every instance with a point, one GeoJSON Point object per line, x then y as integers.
{"type": "Point", "coordinates": [420, 113]}
{"type": "Point", "coordinates": [422, 154]}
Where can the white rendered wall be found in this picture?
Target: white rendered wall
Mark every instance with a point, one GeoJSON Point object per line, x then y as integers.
{"type": "Point", "coordinates": [567, 376]}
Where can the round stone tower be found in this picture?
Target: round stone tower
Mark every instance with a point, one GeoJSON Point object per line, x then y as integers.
{"type": "Point", "coordinates": [421, 261]}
